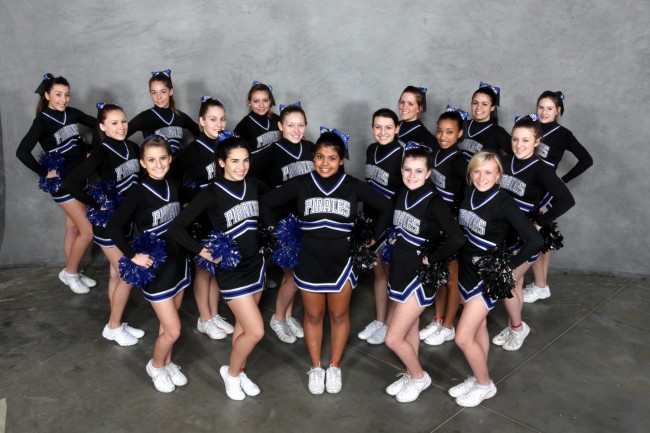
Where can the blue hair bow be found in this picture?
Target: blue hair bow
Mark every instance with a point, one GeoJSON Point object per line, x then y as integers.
{"type": "Point", "coordinates": [100, 105]}
{"type": "Point", "coordinates": [344, 137]}
{"type": "Point", "coordinates": [560, 94]}
{"type": "Point", "coordinates": [422, 90]}
{"type": "Point", "coordinates": [416, 145]}
{"type": "Point", "coordinates": [224, 134]}
{"type": "Point", "coordinates": [533, 117]}
{"type": "Point", "coordinates": [462, 113]}
{"type": "Point", "coordinates": [495, 89]}
{"type": "Point", "coordinates": [41, 87]}
{"type": "Point", "coordinates": [295, 104]}
{"type": "Point", "coordinates": [255, 83]}
{"type": "Point", "coordinates": [167, 73]}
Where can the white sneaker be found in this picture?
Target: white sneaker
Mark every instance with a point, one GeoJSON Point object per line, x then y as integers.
{"type": "Point", "coordinates": [532, 293]}
{"type": "Point", "coordinates": [282, 330]}
{"type": "Point", "coordinates": [223, 324]}
{"type": "Point", "coordinates": [378, 336]}
{"type": "Point", "coordinates": [502, 336]}
{"type": "Point", "coordinates": [137, 333]}
{"type": "Point", "coordinates": [233, 384]}
{"type": "Point", "coordinates": [397, 386]}
{"type": "Point", "coordinates": [160, 377]}
{"type": "Point", "coordinates": [412, 388]}
{"type": "Point", "coordinates": [248, 386]}
{"type": "Point", "coordinates": [316, 380]}
{"type": "Point", "coordinates": [119, 335]}
{"type": "Point", "coordinates": [174, 372]}
{"type": "Point", "coordinates": [74, 282]}
{"type": "Point", "coordinates": [210, 329]}
{"type": "Point", "coordinates": [516, 339]}
{"type": "Point", "coordinates": [295, 327]}
{"type": "Point", "coordinates": [476, 395]}
{"type": "Point", "coordinates": [440, 336]}
{"type": "Point", "coordinates": [333, 383]}
{"type": "Point", "coordinates": [430, 329]}
{"type": "Point", "coordinates": [87, 280]}
{"type": "Point", "coordinates": [368, 330]}
{"type": "Point", "coordinates": [463, 388]}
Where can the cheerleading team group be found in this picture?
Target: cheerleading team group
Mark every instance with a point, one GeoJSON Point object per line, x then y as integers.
{"type": "Point", "coordinates": [450, 218]}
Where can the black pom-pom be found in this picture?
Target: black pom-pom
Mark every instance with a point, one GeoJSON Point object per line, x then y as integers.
{"type": "Point", "coordinates": [387, 250]}
{"type": "Point", "coordinates": [363, 258]}
{"type": "Point", "coordinates": [289, 236]}
{"type": "Point", "coordinates": [267, 240]}
{"type": "Point", "coordinates": [436, 273]}
{"type": "Point", "coordinates": [552, 237]}
{"type": "Point", "coordinates": [494, 270]}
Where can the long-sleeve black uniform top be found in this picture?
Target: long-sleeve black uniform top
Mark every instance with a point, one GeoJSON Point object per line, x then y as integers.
{"type": "Point", "coordinates": [259, 131]}
{"type": "Point", "coordinates": [164, 122]}
{"type": "Point", "coordinates": [282, 161]}
{"type": "Point", "coordinates": [195, 162]}
{"type": "Point", "coordinates": [152, 205]}
{"type": "Point", "coordinates": [111, 160]}
{"type": "Point", "coordinates": [416, 131]}
{"type": "Point", "coordinates": [486, 217]}
{"type": "Point", "coordinates": [484, 136]}
{"type": "Point", "coordinates": [555, 141]}
{"type": "Point", "coordinates": [448, 174]}
{"type": "Point", "coordinates": [56, 131]}
{"type": "Point", "coordinates": [528, 181]}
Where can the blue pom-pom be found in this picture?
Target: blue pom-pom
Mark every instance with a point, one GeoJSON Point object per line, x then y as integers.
{"type": "Point", "coordinates": [387, 250]}
{"type": "Point", "coordinates": [221, 246]}
{"type": "Point", "coordinates": [194, 187]}
{"type": "Point", "coordinates": [50, 185]}
{"type": "Point", "coordinates": [99, 218]}
{"type": "Point", "coordinates": [155, 248]}
{"type": "Point", "coordinates": [289, 238]}
{"type": "Point", "coordinates": [51, 161]}
{"type": "Point", "coordinates": [106, 194]}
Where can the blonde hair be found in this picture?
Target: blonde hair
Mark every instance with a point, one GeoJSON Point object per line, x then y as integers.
{"type": "Point", "coordinates": [481, 158]}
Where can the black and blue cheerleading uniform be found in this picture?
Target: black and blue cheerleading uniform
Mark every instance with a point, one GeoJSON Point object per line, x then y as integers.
{"type": "Point", "coordinates": [232, 208]}
{"type": "Point", "coordinates": [259, 131]}
{"type": "Point", "coordinates": [383, 171]}
{"type": "Point", "coordinates": [416, 131]}
{"type": "Point", "coordinates": [57, 132]}
{"type": "Point", "coordinates": [485, 218]}
{"type": "Point", "coordinates": [419, 215]}
{"type": "Point", "coordinates": [112, 160]}
{"type": "Point", "coordinates": [166, 123]}
{"type": "Point", "coordinates": [484, 136]}
{"type": "Point", "coordinates": [327, 209]}
{"type": "Point", "coordinates": [195, 163]}
{"type": "Point", "coordinates": [528, 182]}
{"type": "Point", "coordinates": [283, 160]}
{"type": "Point", "coordinates": [152, 205]}
{"type": "Point", "coordinates": [449, 174]}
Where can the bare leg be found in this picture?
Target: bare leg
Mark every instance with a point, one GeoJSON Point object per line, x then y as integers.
{"type": "Point", "coordinates": [202, 293]}
{"type": "Point", "coordinates": [79, 234]}
{"type": "Point", "coordinates": [118, 303]}
{"type": "Point", "coordinates": [515, 304]}
{"type": "Point", "coordinates": [473, 339]}
{"type": "Point", "coordinates": [113, 255]}
{"type": "Point", "coordinates": [213, 297]}
{"type": "Point", "coordinates": [403, 337]}
{"type": "Point", "coordinates": [540, 269]}
{"type": "Point", "coordinates": [380, 273]}
{"type": "Point", "coordinates": [286, 293]}
{"type": "Point", "coordinates": [171, 329]}
{"type": "Point", "coordinates": [249, 330]}
{"type": "Point", "coordinates": [338, 305]}
{"type": "Point", "coordinates": [453, 296]}
{"type": "Point", "coordinates": [314, 304]}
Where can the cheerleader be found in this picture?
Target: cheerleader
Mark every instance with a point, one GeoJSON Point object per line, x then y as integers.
{"type": "Point", "coordinates": [420, 214]}
{"type": "Point", "coordinates": [279, 163]}
{"type": "Point", "coordinates": [55, 128]}
{"type": "Point", "coordinates": [230, 203]}
{"type": "Point", "coordinates": [163, 118]}
{"type": "Point", "coordinates": [383, 172]}
{"type": "Point", "coordinates": [412, 103]}
{"type": "Point", "coordinates": [260, 126]}
{"type": "Point", "coordinates": [485, 216]}
{"type": "Point", "coordinates": [483, 132]}
{"type": "Point", "coordinates": [152, 205]}
{"type": "Point", "coordinates": [195, 165]}
{"type": "Point", "coordinates": [327, 201]}
{"type": "Point", "coordinates": [448, 175]}
{"type": "Point", "coordinates": [528, 180]}
{"type": "Point", "coordinates": [116, 160]}
{"type": "Point", "coordinates": [555, 141]}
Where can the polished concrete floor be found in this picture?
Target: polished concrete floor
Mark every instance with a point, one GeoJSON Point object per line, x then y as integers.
{"type": "Point", "coordinates": [584, 368]}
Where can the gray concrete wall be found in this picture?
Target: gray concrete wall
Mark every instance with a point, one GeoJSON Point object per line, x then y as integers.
{"type": "Point", "coordinates": [343, 60]}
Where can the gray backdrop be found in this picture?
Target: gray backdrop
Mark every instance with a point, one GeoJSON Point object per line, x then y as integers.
{"type": "Point", "coordinates": [344, 60]}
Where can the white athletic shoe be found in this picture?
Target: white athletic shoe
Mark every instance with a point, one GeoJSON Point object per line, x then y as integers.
{"type": "Point", "coordinates": [119, 335]}
{"type": "Point", "coordinates": [412, 388]}
{"type": "Point", "coordinates": [281, 329]}
{"type": "Point", "coordinates": [295, 327]}
{"type": "Point", "coordinates": [316, 380]}
{"type": "Point", "coordinates": [532, 293]}
{"type": "Point", "coordinates": [223, 324]}
{"type": "Point", "coordinates": [160, 377]}
{"type": "Point", "coordinates": [233, 384]}
{"type": "Point", "coordinates": [462, 388]}
{"type": "Point", "coordinates": [87, 280]}
{"type": "Point", "coordinates": [397, 386]}
{"type": "Point", "coordinates": [74, 282]}
{"type": "Point", "coordinates": [333, 383]}
{"type": "Point", "coordinates": [137, 333]}
{"type": "Point", "coordinates": [516, 339]}
{"type": "Point", "coordinates": [476, 395]}
{"type": "Point", "coordinates": [502, 336]}
{"type": "Point", "coordinates": [430, 329]}
{"type": "Point", "coordinates": [379, 336]}
{"type": "Point", "coordinates": [440, 336]}
{"type": "Point", "coordinates": [368, 330]}
{"type": "Point", "coordinates": [248, 386]}
{"type": "Point", "coordinates": [174, 372]}
{"type": "Point", "coordinates": [211, 329]}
